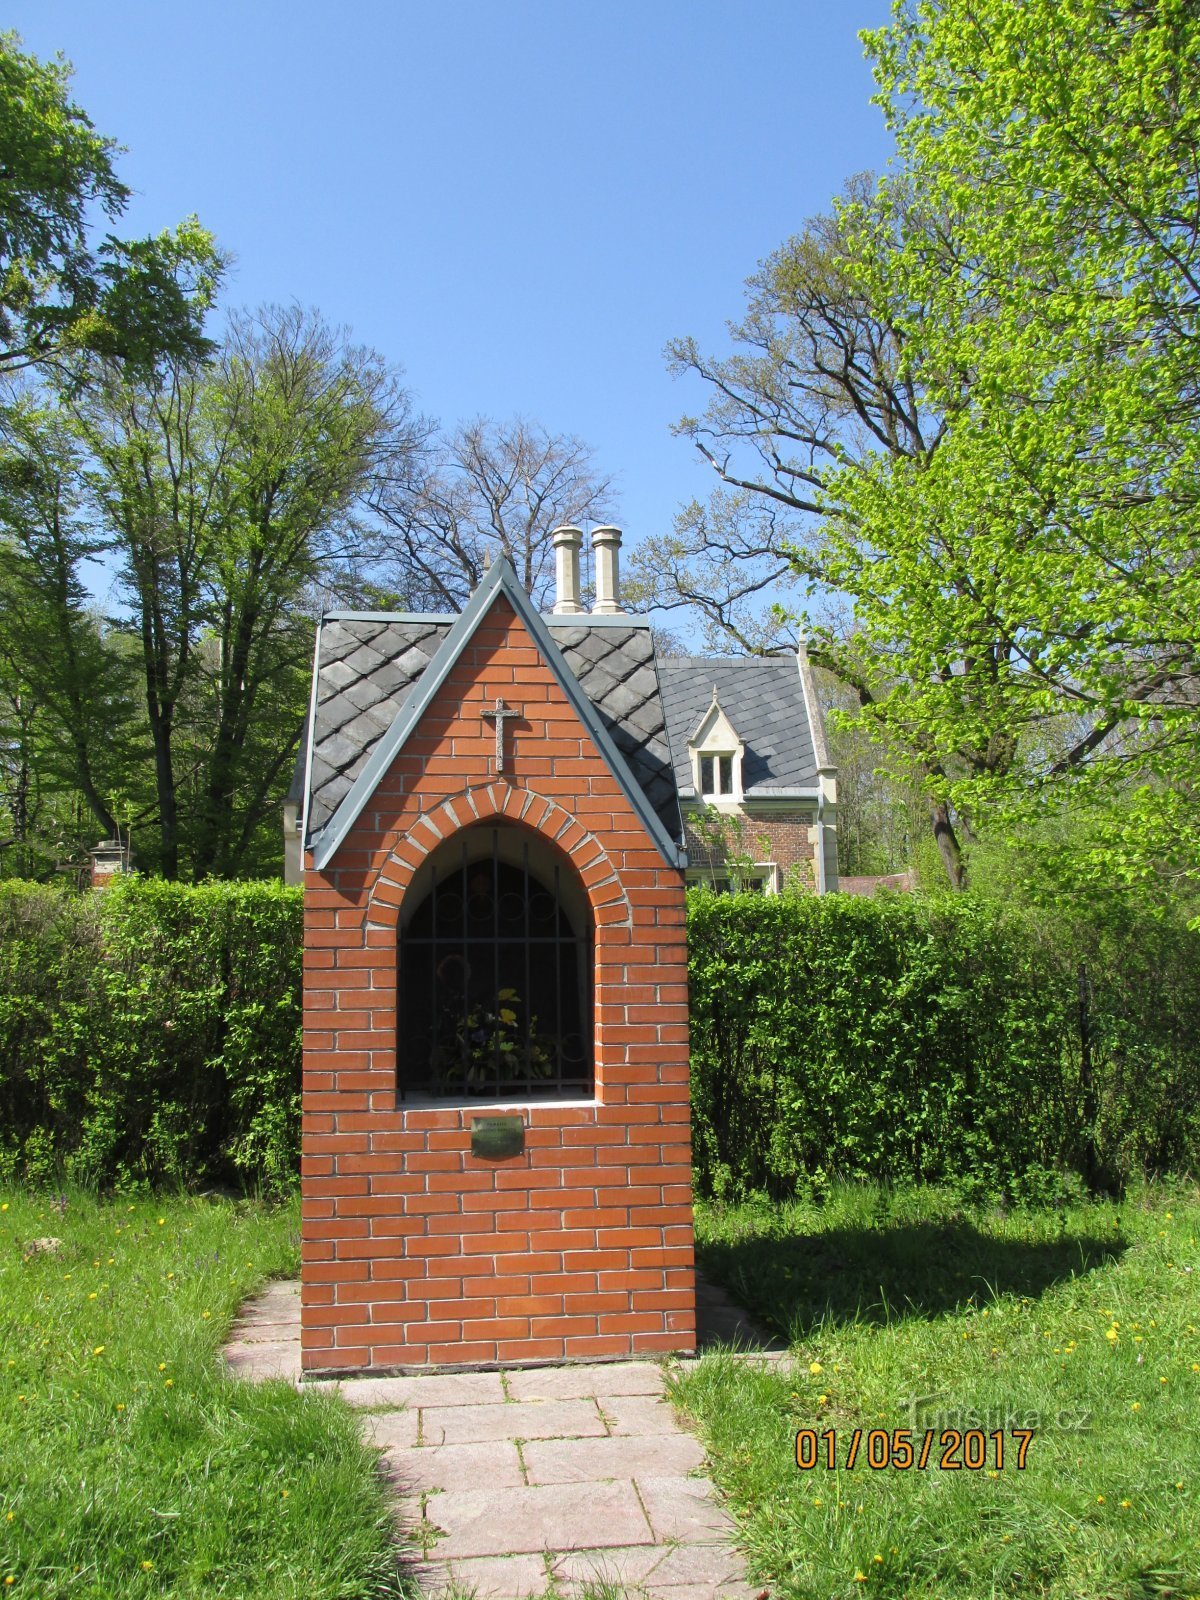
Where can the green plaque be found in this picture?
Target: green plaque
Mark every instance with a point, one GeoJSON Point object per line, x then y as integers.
{"type": "Point", "coordinates": [497, 1138]}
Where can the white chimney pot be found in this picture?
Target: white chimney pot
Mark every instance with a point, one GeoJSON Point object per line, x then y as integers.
{"type": "Point", "coordinates": [567, 541]}
{"type": "Point", "coordinates": [606, 545]}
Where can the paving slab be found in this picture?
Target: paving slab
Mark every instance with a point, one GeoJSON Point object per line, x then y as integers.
{"type": "Point", "coordinates": [639, 1413]}
{"type": "Point", "coordinates": [482, 1522]}
{"type": "Point", "coordinates": [595, 1379]}
{"type": "Point", "coordinates": [391, 1430]}
{"type": "Point", "coordinates": [432, 1389]}
{"type": "Point", "coordinates": [519, 1419]}
{"type": "Point", "coordinates": [492, 1577]}
{"type": "Point", "coordinates": [684, 1509]}
{"type": "Point", "coordinates": [495, 1465]}
{"type": "Point", "coordinates": [582, 1471]}
{"type": "Point", "coordinates": [257, 1360]}
{"type": "Point", "coordinates": [595, 1460]}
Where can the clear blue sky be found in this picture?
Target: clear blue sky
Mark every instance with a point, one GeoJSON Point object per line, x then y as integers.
{"type": "Point", "coordinates": [519, 201]}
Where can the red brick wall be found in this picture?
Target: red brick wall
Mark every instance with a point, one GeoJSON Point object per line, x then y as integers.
{"type": "Point", "coordinates": [787, 836]}
{"type": "Point", "coordinates": [414, 1251]}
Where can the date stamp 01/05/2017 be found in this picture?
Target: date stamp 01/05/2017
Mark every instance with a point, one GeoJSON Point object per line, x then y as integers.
{"type": "Point", "coordinates": [897, 1449]}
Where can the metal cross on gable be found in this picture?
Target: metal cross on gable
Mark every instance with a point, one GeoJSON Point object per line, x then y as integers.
{"type": "Point", "coordinates": [501, 713]}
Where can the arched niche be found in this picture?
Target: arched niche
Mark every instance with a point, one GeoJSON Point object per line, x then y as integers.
{"type": "Point", "coordinates": [494, 972]}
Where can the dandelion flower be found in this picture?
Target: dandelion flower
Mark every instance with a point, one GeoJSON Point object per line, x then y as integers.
{"type": "Point", "coordinates": [860, 1577]}
{"type": "Point", "coordinates": [814, 1367]}
{"type": "Point", "coordinates": [1136, 1406]}
{"type": "Point", "coordinates": [162, 1366]}
{"type": "Point", "coordinates": [170, 1383]}
{"type": "Point", "coordinates": [1126, 1505]}
{"type": "Point", "coordinates": [99, 1350]}
{"type": "Point", "coordinates": [162, 1221]}
{"type": "Point", "coordinates": [4, 1207]}
{"type": "Point", "coordinates": [147, 1566]}
{"type": "Point", "coordinates": [878, 1560]}
{"type": "Point", "coordinates": [1099, 1499]}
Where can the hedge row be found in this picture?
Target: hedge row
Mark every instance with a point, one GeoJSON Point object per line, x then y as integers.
{"type": "Point", "coordinates": [152, 1032]}
{"type": "Point", "coordinates": [948, 1041]}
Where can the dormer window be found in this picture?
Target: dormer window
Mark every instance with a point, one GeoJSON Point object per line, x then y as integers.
{"type": "Point", "coordinates": [716, 776]}
{"type": "Point", "coordinates": [716, 753]}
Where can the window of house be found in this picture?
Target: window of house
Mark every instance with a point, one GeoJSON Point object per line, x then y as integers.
{"type": "Point", "coordinates": [494, 973]}
{"type": "Point", "coordinates": [716, 775]}
{"type": "Point", "coordinates": [761, 878]}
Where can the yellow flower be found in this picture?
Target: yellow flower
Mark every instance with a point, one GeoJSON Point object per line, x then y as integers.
{"type": "Point", "coordinates": [162, 1366]}
{"type": "Point", "coordinates": [1162, 1380]}
{"type": "Point", "coordinates": [92, 1296]}
{"type": "Point", "coordinates": [10, 1579]}
{"type": "Point", "coordinates": [878, 1559]}
{"type": "Point", "coordinates": [170, 1383]}
{"type": "Point", "coordinates": [4, 1207]}
{"type": "Point", "coordinates": [1126, 1504]}
{"type": "Point", "coordinates": [161, 1221]}
{"type": "Point", "coordinates": [283, 1494]}
{"type": "Point", "coordinates": [1099, 1499]}
{"type": "Point", "coordinates": [822, 1399]}
{"type": "Point", "coordinates": [205, 1315]}
{"type": "Point", "coordinates": [1112, 1335]}
{"type": "Point", "coordinates": [814, 1367]}
{"type": "Point", "coordinates": [120, 1405]}
{"type": "Point", "coordinates": [860, 1577]}
{"type": "Point", "coordinates": [99, 1350]}
{"type": "Point", "coordinates": [1196, 1366]}
{"type": "Point", "coordinates": [147, 1566]}
{"type": "Point", "coordinates": [1136, 1406]}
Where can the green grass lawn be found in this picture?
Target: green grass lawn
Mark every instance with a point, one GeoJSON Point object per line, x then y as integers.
{"type": "Point", "coordinates": [130, 1465]}
{"type": "Point", "coordinates": [906, 1310]}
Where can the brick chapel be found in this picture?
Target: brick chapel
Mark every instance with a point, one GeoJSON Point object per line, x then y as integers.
{"type": "Point", "coordinates": [491, 819]}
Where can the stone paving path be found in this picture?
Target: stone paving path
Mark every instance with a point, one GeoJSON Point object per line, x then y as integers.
{"type": "Point", "coordinates": [531, 1482]}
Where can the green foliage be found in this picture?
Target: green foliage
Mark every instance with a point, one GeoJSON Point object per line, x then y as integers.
{"type": "Point", "coordinates": [1032, 582]}
{"type": "Point", "coordinates": [59, 293]}
{"type": "Point", "coordinates": [133, 1465]}
{"type": "Point", "coordinates": [908, 1310]}
{"type": "Point", "coordinates": [940, 1040]}
{"type": "Point", "coordinates": [150, 1032]}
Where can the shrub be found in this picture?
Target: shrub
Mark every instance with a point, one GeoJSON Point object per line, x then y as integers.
{"type": "Point", "coordinates": [151, 1031]}
{"type": "Point", "coordinates": [946, 1041]}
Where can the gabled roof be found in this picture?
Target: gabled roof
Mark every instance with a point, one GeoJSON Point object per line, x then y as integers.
{"type": "Point", "coordinates": [715, 731]}
{"type": "Point", "coordinates": [375, 673]}
{"type": "Point", "coordinates": [763, 698]}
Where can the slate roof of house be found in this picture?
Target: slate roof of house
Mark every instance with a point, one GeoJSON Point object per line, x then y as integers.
{"type": "Point", "coordinates": [368, 664]}
{"type": "Point", "coordinates": [764, 700]}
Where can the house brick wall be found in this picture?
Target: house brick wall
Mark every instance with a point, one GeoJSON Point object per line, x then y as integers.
{"type": "Point", "coordinates": [416, 1252]}
{"type": "Point", "coordinates": [789, 837]}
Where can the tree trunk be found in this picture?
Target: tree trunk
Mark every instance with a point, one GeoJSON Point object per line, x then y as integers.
{"type": "Point", "coordinates": [949, 848]}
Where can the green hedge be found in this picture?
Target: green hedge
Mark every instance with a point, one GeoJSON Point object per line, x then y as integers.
{"type": "Point", "coordinates": [150, 1032]}
{"type": "Point", "coordinates": [949, 1041]}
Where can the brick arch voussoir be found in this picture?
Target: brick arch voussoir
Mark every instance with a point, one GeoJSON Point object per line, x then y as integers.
{"type": "Point", "coordinates": [492, 802]}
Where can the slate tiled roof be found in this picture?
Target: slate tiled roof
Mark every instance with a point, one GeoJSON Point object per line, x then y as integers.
{"type": "Point", "coordinates": [763, 699]}
{"type": "Point", "coordinates": [369, 664]}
